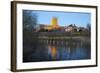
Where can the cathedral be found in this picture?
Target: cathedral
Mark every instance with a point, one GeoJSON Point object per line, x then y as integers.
{"type": "Point", "coordinates": [53, 25]}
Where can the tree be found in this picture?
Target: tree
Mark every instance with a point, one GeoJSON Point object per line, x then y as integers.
{"type": "Point", "coordinates": [29, 20]}
{"type": "Point", "coordinates": [89, 28]}
{"type": "Point", "coordinates": [29, 24]}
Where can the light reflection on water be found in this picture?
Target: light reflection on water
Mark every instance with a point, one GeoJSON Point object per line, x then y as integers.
{"type": "Point", "coordinates": [74, 50]}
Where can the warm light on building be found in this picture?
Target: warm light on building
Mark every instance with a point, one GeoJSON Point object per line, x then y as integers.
{"type": "Point", "coordinates": [54, 24]}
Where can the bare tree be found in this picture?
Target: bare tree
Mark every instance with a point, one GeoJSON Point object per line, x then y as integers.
{"type": "Point", "coordinates": [89, 29]}
{"type": "Point", "coordinates": [29, 20]}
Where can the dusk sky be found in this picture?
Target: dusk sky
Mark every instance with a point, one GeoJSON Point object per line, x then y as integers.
{"type": "Point", "coordinates": [64, 18]}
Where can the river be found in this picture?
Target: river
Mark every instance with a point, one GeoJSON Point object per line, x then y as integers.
{"type": "Point", "coordinates": [57, 50]}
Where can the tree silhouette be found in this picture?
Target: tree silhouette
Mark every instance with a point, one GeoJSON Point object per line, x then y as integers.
{"type": "Point", "coordinates": [88, 29]}
{"type": "Point", "coordinates": [29, 20]}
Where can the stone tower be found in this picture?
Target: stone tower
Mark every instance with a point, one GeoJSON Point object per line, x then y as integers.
{"type": "Point", "coordinates": [54, 22]}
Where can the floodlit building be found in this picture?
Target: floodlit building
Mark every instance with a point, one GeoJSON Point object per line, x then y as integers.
{"type": "Point", "coordinates": [53, 25]}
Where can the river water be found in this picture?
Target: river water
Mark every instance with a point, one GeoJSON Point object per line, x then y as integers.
{"type": "Point", "coordinates": [58, 50]}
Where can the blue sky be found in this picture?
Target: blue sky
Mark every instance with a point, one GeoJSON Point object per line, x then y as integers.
{"type": "Point", "coordinates": [64, 18]}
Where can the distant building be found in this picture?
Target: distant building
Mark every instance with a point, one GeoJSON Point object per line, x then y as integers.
{"type": "Point", "coordinates": [54, 23]}
{"type": "Point", "coordinates": [53, 26]}
{"type": "Point", "coordinates": [71, 28]}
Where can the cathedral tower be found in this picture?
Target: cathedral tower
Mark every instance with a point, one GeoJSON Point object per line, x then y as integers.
{"type": "Point", "coordinates": [54, 22]}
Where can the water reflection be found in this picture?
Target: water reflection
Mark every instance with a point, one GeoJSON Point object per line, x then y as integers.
{"type": "Point", "coordinates": [56, 50]}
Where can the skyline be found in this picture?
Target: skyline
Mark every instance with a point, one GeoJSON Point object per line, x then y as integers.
{"type": "Point", "coordinates": [64, 18]}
